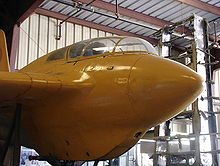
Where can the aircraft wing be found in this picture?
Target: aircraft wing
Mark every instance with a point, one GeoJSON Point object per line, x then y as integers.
{"type": "Point", "coordinates": [15, 86]}
{"type": "Point", "coordinates": [4, 63]}
{"type": "Point", "coordinates": [22, 87]}
{"type": "Point", "coordinates": [29, 88]}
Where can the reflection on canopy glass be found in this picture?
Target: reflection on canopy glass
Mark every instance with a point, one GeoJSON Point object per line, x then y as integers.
{"type": "Point", "coordinates": [76, 49]}
{"type": "Point", "coordinates": [134, 44]}
{"type": "Point", "coordinates": [100, 46]}
{"type": "Point", "coordinates": [58, 54]}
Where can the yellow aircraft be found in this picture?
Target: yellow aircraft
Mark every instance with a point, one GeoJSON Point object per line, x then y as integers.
{"type": "Point", "coordinates": [95, 99]}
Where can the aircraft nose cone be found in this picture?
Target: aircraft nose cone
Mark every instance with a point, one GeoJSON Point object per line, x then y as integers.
{"type": "Point", "coordinates": [161, 88]}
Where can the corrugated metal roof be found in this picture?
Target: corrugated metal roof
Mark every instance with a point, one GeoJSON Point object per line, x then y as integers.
{"type": "Point", "coordinates": [169, 10]}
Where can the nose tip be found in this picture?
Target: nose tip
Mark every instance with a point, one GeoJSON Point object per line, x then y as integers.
{"type": "Point", "coordinates": [157, 83]}
{"type": "Point", "coordinates": [190, 82]}
{"type": "Point", "coordinates": [165, 76]}
{"type": "Point", "coordinates": [178, 81]}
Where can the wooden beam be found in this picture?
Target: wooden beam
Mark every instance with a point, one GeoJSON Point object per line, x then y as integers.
{"type": "Point", "coordinates": [91, 24]}
{"type": "Point", "coordinates": [202, 5]}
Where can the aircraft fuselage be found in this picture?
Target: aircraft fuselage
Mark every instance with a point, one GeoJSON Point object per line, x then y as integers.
{"type": "Point", "coordinates": [94, 100]}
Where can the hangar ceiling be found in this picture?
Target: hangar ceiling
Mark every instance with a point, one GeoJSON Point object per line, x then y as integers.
{"type": "Point", "coordinates": [140, 18]}
{"type": "Point", "coordinates": [146, 16]}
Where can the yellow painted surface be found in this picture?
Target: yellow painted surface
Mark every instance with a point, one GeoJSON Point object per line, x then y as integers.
{"type": "Point", "coordinates": [97, 108]}
{"type": "Point", "coordinates": [4, 65]}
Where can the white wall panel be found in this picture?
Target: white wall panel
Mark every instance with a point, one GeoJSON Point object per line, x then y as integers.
{"type": "Point", "coordinates": [101, 34]}
{"type": "Point", "coordinates": [108, 34]}
{"type": "Point", "coordinates": [94, 33]}
{"type": "Point", "coordinates": [70, 28]}
{"type": "Point", "coordinates": [23, 45]}
{"type": "Point", "coordinates": [86, 33]}
{"type": "Point", "coordinates": [52, 34]}
{"type": "Point", "coordinates": [43, 35]}
{"type": "Point", "coordinates": [78, 33]}
{"type": "Point", "coordinates": [33, 33]}
{"type": "Point", "coordinates": [38, 37]}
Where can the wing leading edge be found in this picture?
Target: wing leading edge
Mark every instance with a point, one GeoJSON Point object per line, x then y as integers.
{"type": "Point", "coordinates": [18, 86]}
{"type": "Point", "coordinates": [4, 63]}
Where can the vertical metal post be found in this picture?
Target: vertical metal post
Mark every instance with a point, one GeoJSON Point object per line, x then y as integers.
{"type": "Point", "coordinates": [164, 49]}
{"type": "Point", "coordinates": [168, 158]}
{"type": "Point", "coordinates": [110, 163]}
{"type": "Point", "coordinates": [14, 47]}
{"type": "Point", "coordinates": [212, 118]}
{"type": "Point", "coordinates": [167, 133]}
{"type": "Point", "coordinates": [198, 57]}
{"type": "Point", "coordinates": [155, 156]}
{"type": "Point", "coordinates": [196, 121]}
{"type": "Point", "coordinates": [136, 155]}
{"type": "Point", "coordinates": [17, 145]}
{"type": "Point", "coordinates": [200, 46]}
{"type": "Point", "coordinates": [14, 131]}
{"type": "Point", "coordinates": [214, 24]}
{"type": "Point", "coordinates": [127, 158]}
{"type": "Point", "coordinates": [96, 163]}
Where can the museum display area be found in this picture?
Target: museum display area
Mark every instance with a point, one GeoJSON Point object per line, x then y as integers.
{"type": "Point", "coordinates": [109, 82]}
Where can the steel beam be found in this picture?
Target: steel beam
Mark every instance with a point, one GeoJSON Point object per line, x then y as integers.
{"type": "Point", "coordinates": [13, 139]}
{"type": "Point", "coordinates": [17, 143]}
{"type": "Point", "coordinates": [91, 24]}
{"type": "Point", "coordinates": [14, 47]}
{"type": "Point", "coordinates": [133, 14]}
{"type": "Point", "coordinates": [212, 118]}
{"type": "Point", "coordinates": [202, 6]}
{"type": "Point", "coordinates": [164, 49]}
{"type": "Point", "coordinates": [142, 17]}
{"type": "Point", "coordinates": [199, 48]}
{"type": "Point", "coordinates": [28, 12]}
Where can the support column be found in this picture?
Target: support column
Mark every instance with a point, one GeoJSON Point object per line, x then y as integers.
{"type": "Point", "coordinates": [17, 145]}
{"type": "Point", "coordinates": [212, 118]}
{"type": "Point", "coordinates": [164, 51]}
{"type": "Point", "coordinates": [155, 156]}
{"type": "Point", "coordinates": [14, 47]}
{"type": "Point", "coordinates": [96, 163]}
{"type": "Point", "coordinates": [196, 121]}
{"type": "Point", "coordinates": [200, 48]}
{"type": "Point", "coordinates": [11, 148]}
{"type": "Point", "coordinates": [164, 45]}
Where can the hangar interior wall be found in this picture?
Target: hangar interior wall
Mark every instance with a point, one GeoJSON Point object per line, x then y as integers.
{"type": "Point", "coordinates": [38, 37]}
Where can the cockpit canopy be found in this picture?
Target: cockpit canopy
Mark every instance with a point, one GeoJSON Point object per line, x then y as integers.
{"type": "Point", "coordinates": [102, 45]}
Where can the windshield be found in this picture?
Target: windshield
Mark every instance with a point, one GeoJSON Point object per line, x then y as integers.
{"type": "Point", "coordinates": [57, 54]}
{"type": "Point", "coordinates": [76, 49]}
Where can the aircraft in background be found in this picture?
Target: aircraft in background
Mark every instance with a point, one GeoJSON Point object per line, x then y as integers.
{"type": "Point", "coordinates": [95, 99]}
